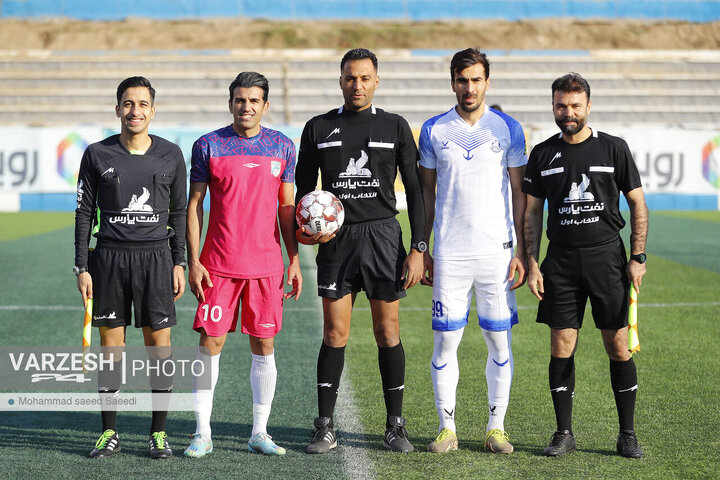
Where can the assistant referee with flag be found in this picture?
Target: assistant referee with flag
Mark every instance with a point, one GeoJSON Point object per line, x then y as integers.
{"type": "Point", "coordinates": [581, 173]}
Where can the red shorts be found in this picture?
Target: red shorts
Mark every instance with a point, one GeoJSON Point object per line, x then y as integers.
{"type": "Point", "coordinates": [262, 301]}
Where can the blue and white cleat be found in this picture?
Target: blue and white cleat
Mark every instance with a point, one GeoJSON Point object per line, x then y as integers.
{"type": "Point", "coordinates": [200, 446]}
{"type": "Point", "coordinates": [262, 443]}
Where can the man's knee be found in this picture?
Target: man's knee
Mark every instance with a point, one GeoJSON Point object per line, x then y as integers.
{"type": "Point", "coordinates": [563, 342]}
{"type": "Point", "coordinates": [262, 346]}
{"type": "Point", "coordinates": [213, 345]}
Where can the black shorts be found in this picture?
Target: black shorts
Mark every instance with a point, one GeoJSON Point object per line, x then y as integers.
{"type": "Point", "coordinates": [132, 273]}
{"type": "Point", "coordinates": [365, 256]}
{"type": "Point", "coordinates": [572, 275]}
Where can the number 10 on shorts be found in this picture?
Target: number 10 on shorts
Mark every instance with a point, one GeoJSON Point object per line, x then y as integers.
{"type": "Point", "coordinates": [215, 313]}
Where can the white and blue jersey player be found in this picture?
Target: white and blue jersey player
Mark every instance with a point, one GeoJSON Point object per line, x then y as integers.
{"type": "Point", "coordinates": [476, 158]}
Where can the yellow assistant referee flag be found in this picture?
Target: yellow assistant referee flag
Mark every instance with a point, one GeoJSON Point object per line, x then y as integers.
{"type": "Point", "coordinates": [87, 330]}
{"type": "Point", "coordinates": [633, 337]}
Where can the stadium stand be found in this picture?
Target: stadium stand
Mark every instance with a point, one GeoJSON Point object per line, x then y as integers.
{"type": "Point", "coordinates": [43, 88]}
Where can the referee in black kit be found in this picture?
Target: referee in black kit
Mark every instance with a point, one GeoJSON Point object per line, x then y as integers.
{"type": "Point", "coordinates": [359, 150]}
{"type": "Point", "coordinates": [581, 173]}
{"type": "Point", "coordinates": [134, 183]}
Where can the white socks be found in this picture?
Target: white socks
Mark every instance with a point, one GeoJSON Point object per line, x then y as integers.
{"type": "Point", "coordinates": [499, 373]}
{"type": "Point", "coordinates": [203, 399]}
{"type": "Point", "coordinates": [263, 376]}
{"type": "Point", "coordinates": [445, 374]}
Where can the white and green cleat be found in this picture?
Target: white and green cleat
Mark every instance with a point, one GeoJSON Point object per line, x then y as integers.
{"type": "Point", "coordinates": [262, 443]}
{"type": "Point", "coordinates": [200, 446]}
{"type": "Point", "coordinates": [446, 441]}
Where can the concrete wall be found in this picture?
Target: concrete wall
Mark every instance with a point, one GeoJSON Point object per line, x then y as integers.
{"type": "Point", "coordinates": [691, 10]}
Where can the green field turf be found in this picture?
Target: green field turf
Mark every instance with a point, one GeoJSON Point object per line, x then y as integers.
{"type": "Point", "coordinates": [677, 416]}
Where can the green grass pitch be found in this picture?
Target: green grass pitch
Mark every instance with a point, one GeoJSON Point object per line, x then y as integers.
{"type": "Point", "coordinates": [677, 417]}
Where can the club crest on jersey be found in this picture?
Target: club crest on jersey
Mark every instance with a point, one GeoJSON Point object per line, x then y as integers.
{"type": "Point", "coordinates": [356, 168]}
{"type": "Point", "coordinates": [138, 203]}
{"type": "Point", "coordinates": [578, 193]}
{"type": "Point", "coordinates": [495, 145]}
{"type": "Point", "coordinates": [275, 168]}
{"type": "Point", "coordinates": [137, 211]}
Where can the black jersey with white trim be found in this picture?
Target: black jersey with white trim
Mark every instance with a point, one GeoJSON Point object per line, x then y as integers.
{"type": "Point", "coordinates": [138, 196]}
{"type": "Point", "coordinates": [582, 183]}
{"type": "Point", "coordinates": [358, 155]}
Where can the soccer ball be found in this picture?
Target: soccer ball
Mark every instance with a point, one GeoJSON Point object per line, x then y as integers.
{"type": "Point", "coordinates": [320, 211]}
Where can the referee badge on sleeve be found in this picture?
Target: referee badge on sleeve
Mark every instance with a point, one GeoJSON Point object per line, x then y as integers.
{"type": "Point", "coordinates": [275, 168]}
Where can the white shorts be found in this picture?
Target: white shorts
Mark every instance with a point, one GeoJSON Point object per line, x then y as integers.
{"type": "Point", "coordinates": [453, 284]}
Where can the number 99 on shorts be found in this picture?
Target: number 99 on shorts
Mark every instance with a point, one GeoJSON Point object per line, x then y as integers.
{"type": "Point", "coordinates": [437, 309]}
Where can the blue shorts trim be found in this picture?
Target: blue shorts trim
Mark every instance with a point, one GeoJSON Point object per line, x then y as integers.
{"type": "Point", "coordinates": [498, 325]}
{"type": "Point", "coordinates": [449, 325]}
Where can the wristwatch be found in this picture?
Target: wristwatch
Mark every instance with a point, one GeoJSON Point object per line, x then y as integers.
{"type": "Point", "coordinates": [640, 257]}
{"type": "Point", "coordinates": [182, 264]}
{"type": "Point", "coordinates": [419, 246]}
{"type": "Point", "coordinates": [78, 270]}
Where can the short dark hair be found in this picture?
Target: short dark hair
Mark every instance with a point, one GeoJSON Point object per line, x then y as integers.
{"type": "Point", "coordinates": [572, 82]}
{"type": "Point", "coordinates": [467, 58]}
{"type": "Point", "coordinates": [358, 54]}
{"type": "Point", "coordinates": [251, 79]}
{"type": "Point", "coordinates": [134, 82]}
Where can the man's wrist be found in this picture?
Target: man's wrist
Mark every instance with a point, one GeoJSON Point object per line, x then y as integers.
{"type": "Point", "coordinates": [420, 246]}
{"type": "Point", "coordinates": [78, 270]}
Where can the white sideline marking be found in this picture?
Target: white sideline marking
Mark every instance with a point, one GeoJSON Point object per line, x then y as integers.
{"type": "Point", "coordinates": [78, 308]}
{"type": "Point", "coordinates": [357, 463]}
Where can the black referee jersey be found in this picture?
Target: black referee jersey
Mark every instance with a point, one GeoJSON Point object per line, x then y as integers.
{"type": "Point", "coordinates": [582, 183]}
{"type": "Point", "coordinates": [138, 196]}
{"type": "Point", "coordinates": [359, 155]}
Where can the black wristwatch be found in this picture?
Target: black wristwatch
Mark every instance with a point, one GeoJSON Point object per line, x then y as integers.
{"type": "Point", "coordinates": [640, 257]}
{"type": "Point", "coordinates": [182, 264]}
{"type": "Point", "coordinates": [419, 246]}
{"type": "Point", "coordinates": [78, 270]}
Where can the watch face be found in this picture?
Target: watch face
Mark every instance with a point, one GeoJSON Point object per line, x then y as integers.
{"type": "Point", "coordinates": [421, 246]}
{"type": "Point", "coordinates": [640, 257]}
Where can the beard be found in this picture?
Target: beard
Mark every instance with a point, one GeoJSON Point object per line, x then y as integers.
{"type": "Point", "coordinates": [569, 129]}
{"type": "Point", "coordinates": [469, 108]}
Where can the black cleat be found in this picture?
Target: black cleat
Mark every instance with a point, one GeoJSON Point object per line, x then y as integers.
{"type": "Point", "coordinates": [562, 442]}
{"type": "Point", "coordinates": [159, 446]}
{"type": "Point", "coordinates": [396, 436]}
{"type": "Point", "coordinates": [107, 445]}
{"type": "Point", "coordinates": [323, 438]}
{"type": "Point", "coordinates": [627, 445]}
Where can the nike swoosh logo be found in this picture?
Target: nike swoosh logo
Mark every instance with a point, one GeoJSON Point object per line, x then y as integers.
{"type": "Point", "coordinates": [438, 368]}
{"type": "Point", "coordinates": [324, 385]}
{"type": "Point", "coordinates": [501, 364]}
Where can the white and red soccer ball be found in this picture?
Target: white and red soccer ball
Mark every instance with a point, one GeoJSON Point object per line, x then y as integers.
{"type": "Point", "coordinates": [320, 211]}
